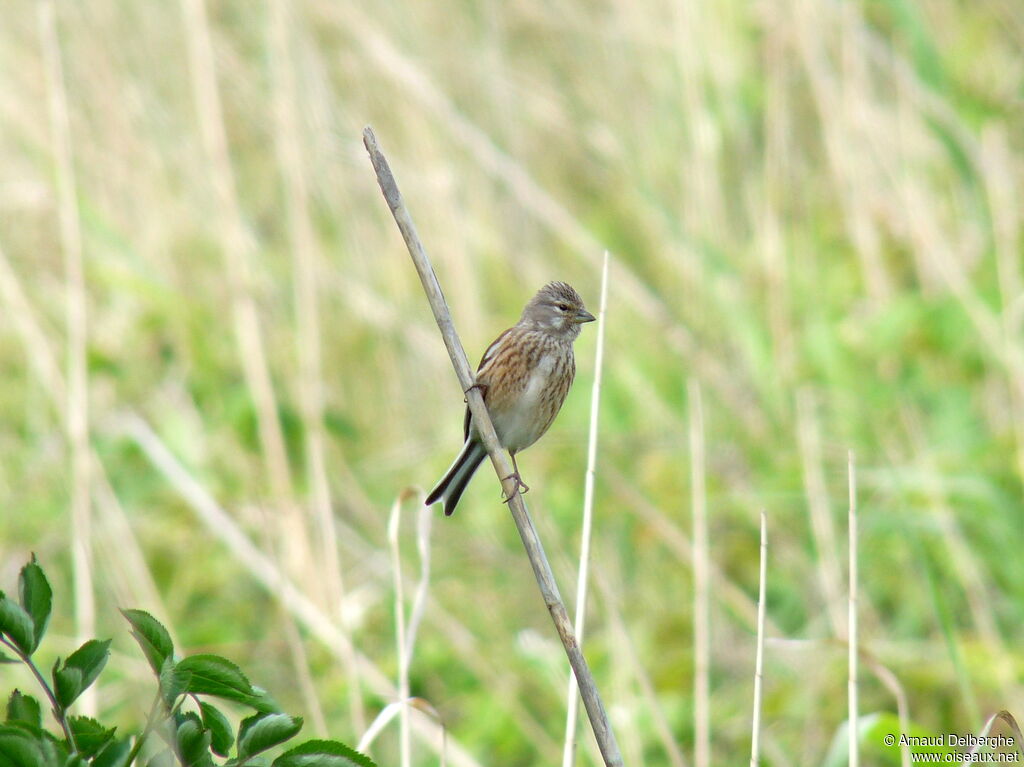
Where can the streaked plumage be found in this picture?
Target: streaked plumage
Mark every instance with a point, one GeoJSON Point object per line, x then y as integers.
{"type": "Point", "coordinates": [524, 375]}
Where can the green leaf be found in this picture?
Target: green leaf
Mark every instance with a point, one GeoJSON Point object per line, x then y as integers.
{"type": "Point", "coordinates": [872, 730]}
{"type": "Point", "coordinates": [91, 737]}
{"type": "Point", "coordinates": [67, 684]}
{"type": "Point", "coordinates": [16, 625]}
{"type": "Point", "coordinates": [5, 658]}
{"type": "Point", "coordinates": [36, 598]}
{"type": "Point", "coordinates": [214, 675]}
{"type": "Point", "coordinates": [88, 660]}
{"type": "Point", "coordinates": [192, 741]}
{"type": "Point", "coordinates": [18, 748]}
{"type": "Point", "coordinates": [220, 728]}
{"type": "Point", "coordinates": [24, 708]}
{"type": "Point", "coordinates": [152, 637]}
{"type": "Point", "coordinates": [114, 755]}
{"type": "Point", "coordinates": [323, 753]}
{"type": "Point", "coordinates": [76, 760]}
{"type": "Point", "coordinates": [264, 731]}
{"type": "Point", "coordinates": [56, 751]}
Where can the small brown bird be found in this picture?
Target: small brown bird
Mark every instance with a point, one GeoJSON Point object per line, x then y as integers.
{"type": "Point", "coordinates": [524, 377]}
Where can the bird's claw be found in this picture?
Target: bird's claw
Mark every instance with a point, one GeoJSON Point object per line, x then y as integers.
{"type": "Point", "coordinates": [521, 487]}
{"type": "Point", "coordinates": [480, 386]}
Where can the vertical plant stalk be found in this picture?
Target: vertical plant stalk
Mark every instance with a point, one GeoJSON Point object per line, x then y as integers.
{"type": "Point", "coordinates": [394, 525]}
{"type": "Point", "coordinates": [77, 412]}
{"type": "Point", "coordinates": [303, 245]}
{"type": "Point", "coordinates": [534, 549]}
{"type": "Point", "coordinates": [755, 727]}
{"type": "Point", "coordinates": [406, 628]}
{"type": "Point", "coordinates": [572, 700]}
{"type": "Point", "coordinates": [701, 584]}
{"type": "Point", "coordinates": [59, 712]}
{"type": "Point", "coordinates": [892, 683]}
{"type": "Point", "coordinates": [853, 730]}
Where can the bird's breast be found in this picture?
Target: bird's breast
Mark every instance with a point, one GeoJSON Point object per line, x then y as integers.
{"type": "Point", "coordinates": [528, 413]}
{"type": "Point", "coordinates": [537, 384]}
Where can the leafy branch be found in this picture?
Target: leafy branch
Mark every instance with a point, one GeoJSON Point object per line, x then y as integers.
{"type": "Point", "coordinates": [191, 738]}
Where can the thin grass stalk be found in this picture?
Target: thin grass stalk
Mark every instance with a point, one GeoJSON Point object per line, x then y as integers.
{"type": "Point", "coordinates": [406, 630]}
{"type": "Point", "coordinates": [701, 583]}
{"type": "Point", "coordinates": [77, 420]}
{"type": "Point", "coordinates": [392, 710]}
{"type": "Point", "coordinates": [394, 525]}
{"type": "Point", "coordinates": [755, 727]}
{"type": "Point", "coordinates": [531, 542]}
{"type": "Point", "coordinates": [853, 729]}
{"type": "Point", "coordinates": [572, 700]}
{"type": "Point", "coordinates": [1017, 736]}
{"type": "Point", "coordinates": [267, 572]}
{"type": "Point", "coordinates": [382, 720]}
{"type": "Point", "coordinates": [419, 601]}
{"type": "Point", "coordinates": [892, 683]}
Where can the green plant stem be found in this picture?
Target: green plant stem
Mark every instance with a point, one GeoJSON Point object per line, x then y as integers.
{"type": "Point", "coordinates": [150, 724]}
{"type": "Point", "coordinates": [57, 710]}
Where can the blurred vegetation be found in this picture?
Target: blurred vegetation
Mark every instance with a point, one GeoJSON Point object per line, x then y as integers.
{"type": "Point", "coordinates": [813, 209]}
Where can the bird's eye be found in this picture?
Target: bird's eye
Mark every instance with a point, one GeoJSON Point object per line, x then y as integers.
{"type": "Point", "coordinates": [563, 307]}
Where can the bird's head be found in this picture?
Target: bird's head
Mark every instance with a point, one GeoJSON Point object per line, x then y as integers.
{"type": "Point", "coordinates": [558, 309]}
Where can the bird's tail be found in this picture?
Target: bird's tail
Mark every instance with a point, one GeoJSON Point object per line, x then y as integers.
{"type": "Point", "coordinates": [454, 481]}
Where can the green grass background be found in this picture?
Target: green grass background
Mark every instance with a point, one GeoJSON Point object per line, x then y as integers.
{"type": "Point", "coordinates": [813, 211]}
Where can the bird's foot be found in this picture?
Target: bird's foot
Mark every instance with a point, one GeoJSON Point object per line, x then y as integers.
{"type": "Point", "coordinates": [520, 488]}
{"type": "Point", "coordinates": [479, 386]}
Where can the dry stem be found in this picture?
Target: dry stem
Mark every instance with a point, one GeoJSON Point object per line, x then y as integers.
{"type": "Point", "coordinates": [534, 550]}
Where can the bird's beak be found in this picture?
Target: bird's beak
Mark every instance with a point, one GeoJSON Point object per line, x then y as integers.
{"type": "Point", "coordinates": [584, 316]}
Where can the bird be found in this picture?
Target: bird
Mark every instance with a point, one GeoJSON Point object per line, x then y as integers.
{"type": "Point", "coordinates": [524, 377]}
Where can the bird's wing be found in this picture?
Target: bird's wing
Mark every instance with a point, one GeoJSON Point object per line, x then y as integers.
{"type": "Point", "coordinates": [491, 352]}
